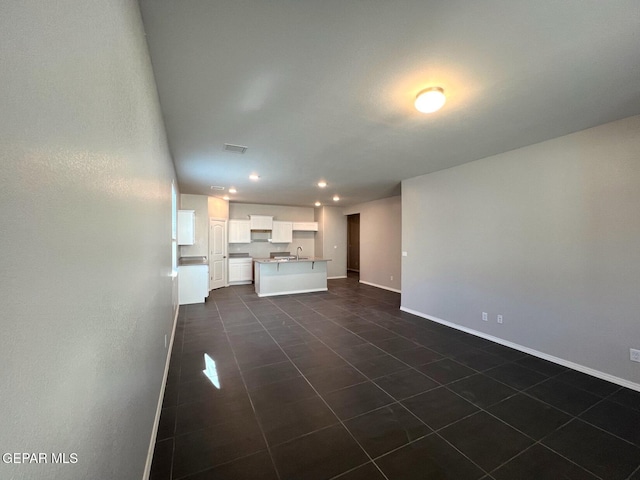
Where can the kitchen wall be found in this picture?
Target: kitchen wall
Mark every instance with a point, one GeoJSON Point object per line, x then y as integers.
{"type": "Point", "coordinates": [306, 240]}
{"type": "Point", "coordinates": [200, 204]}
{"type": "Point", "coordinates": [85, 212]}
{"type": "Point", "coordinates": [380, 242]}
{"type": "Point", "coordinates": [332, 240]}
{"type": "Point", "coordinates": [547, 236]}
{"type": "Point", "coordinates": [218, 208]}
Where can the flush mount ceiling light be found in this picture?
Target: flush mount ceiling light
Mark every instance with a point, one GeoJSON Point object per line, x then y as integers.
{"type": "Point", "coordinates": [233, 190]}
{"type": "Point", "coordinates": [226, 197]}
{"type": "Point", "coordinates": [322, 184]}
{"type": "Point", "coordinates": [430, 100]}
{"type": "Point", "coordinates": [254, 176]}
{"type": "Point", "coordinates": [317, 204]}
{"type": "Point", "coordinates": [336, 198]}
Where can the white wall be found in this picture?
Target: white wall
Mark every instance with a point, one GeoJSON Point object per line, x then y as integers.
{"type": "Point", "coordinates": [200, 204]}
{"type": "Point", "coordinates": [380, 242]}
{"type": "Point", "coordinates": [332, 239]}
{"type": "Point", "coordinates": [547, 235]}
{"type": "Point", "coordinates": [85, 213]}
{"type": "Point", "coordinates": [306, 240]}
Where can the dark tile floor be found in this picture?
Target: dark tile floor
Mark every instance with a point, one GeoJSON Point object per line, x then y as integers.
{"type": "Point", "coordinates": [344, 385]}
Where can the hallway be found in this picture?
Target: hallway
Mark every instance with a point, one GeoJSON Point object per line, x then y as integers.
{"type": "Point", "coordinates": [342, 384]}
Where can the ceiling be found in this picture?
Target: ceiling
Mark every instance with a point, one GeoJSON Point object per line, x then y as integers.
{"type": "Point", "coordinates": [324, 89]}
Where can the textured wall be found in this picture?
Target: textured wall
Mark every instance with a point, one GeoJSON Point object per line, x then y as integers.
{"type": "Point", "coordinates": [380, 241]}
{"type": "Point", "coordinates": [85, 214]}
{"type": "Point", "coordinates": [546, 235]}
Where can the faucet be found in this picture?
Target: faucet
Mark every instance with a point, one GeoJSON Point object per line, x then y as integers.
{"type": "Point", "coordinates": [298, 250]}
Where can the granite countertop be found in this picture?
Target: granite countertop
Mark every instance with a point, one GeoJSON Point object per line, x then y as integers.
{"type": "Point", "coordinates": [291, 260]}
{"type": "Point", "coordinates": [186, 261]}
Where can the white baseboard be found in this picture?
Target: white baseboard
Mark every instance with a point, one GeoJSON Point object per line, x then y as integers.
{"type": "Point", "coordinates": [381, 286]}
{"type": "Point", "coordinates": [156, 422]}
{"type": "Point", "coordinates": [291, 292]}
{"type": "Point", "coordinates": [334, 278]}
{"type": "Point", "coordinates": [560, 361]}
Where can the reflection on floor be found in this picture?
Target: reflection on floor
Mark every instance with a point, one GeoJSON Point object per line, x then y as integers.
{"type": "Point", "coordinates": [341, 384]}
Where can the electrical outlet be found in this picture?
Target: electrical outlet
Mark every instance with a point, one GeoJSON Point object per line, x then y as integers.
{"type": "Point", "coordinates": [499, 318]}
{"type": "Point", "coordinates": [634, 355]}
{"type": "Point", "coordinates": [485, 316]}
{"type": "Point", "coordinates": [392, 277]}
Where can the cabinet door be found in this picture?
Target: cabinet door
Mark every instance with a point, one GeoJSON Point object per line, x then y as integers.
{"type": "Point", "coordinates": [246, 271]}
{"type": "Point", "coordinates": [261, 222]}
{"type": "Point", "coordinates": [282, 232]}
{"type": "Point", "coordinates": [239, 231]}
{"type": "Point", "coordinates": [235, 272]}
{"type": "Point", "coordinates": [305, 226]}
{"type": "Point", "coordinates": [186, 227]}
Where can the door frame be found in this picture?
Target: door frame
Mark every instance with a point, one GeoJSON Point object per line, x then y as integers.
{"type": "Point", "coordinates": [225, 254]}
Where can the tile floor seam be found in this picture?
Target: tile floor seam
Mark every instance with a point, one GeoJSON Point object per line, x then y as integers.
{"type": "Point", "coordinates": [317, 393]}
{"type": "Point", "coordinates": [264, 437]}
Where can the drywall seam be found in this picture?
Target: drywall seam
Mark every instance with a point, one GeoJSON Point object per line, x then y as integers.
{"type": "Point", "coordinates": [530, 351]}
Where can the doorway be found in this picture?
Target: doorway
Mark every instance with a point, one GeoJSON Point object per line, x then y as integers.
{"type": "Point", "coordinates": [217, 253]}
{"type": "Point", "coordinates": [353, 242]}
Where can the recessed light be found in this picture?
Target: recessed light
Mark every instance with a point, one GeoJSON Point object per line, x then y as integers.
{"type": "Point", "coordinates": [318, 204]}
{"type": "Point", "coordinates": [233, 190]}
{"type": "Point", "coordinates": [336, 198]}
{"type": "Point", "coordinates": [430, 100]}
{"type": "Point", "coordinates": [322, 184]}
{"type": "Point", "coordinates": [254, 176]}
{"type": "Point", "coordinates": [226, 197]}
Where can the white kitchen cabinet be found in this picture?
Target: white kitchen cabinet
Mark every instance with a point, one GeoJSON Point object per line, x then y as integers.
{"type": "Point", "coordinates": [239, 231]}
{"type": "Point", "coordinates": [240, 271]}
{"type": "Point", "coordinates": [261, 222]}
{"type": "Point", "coordinates": [193, 284]}
{"type": "Point", "coordinates": [305, 226]}
{"type": "Point", "coordinates": [282, 232]}
{"type": "Point", "coordinates": [186, 227]}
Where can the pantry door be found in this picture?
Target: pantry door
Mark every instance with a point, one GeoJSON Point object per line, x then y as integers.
{"type": "Point", "coordinates": [217, 253]}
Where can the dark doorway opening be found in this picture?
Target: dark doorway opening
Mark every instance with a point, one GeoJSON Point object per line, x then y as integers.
{"type": "Point", "coordinates": [353, 242]}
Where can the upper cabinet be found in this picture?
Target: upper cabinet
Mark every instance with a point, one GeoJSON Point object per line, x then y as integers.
{"type": "Point", "coordinates": [261, 222]}
{"type": "Point", "coordinates": [305, 226]}
{"type": "Point", "coordinates": [239, 231]}
{"type": "Point", "coordinates": [186, 227]}
{"type": "Point", "coordinates": [282, 232]}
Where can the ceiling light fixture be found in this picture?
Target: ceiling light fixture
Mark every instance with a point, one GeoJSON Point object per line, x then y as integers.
{"type": "Point", "coordinates": [254, 176]}
{"type": "Point", "coordinates": [336, 198]}
{"type": "Point", "coordinates": [322, 184]}
{"type": "Point", "coordinates": [318, 204]}
{"type": "Point", "coordinates": [226, 197]}
{"type": "Point", "coordinates": [430, 100]}
{"type": "Point", "coordinates": [233, 190]}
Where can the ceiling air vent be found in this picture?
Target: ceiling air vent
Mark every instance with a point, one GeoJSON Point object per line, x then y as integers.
{"type": "Point", "coordinates": [216, 187]}
{"type": "Point", "coordinates": [229, 147]}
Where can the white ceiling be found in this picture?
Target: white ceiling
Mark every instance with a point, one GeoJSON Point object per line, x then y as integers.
{"type": "Point", "coordinates": [324, 89]}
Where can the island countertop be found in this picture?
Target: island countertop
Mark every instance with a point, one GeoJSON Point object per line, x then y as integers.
{"type": "Point", "coordinates": [291, 260]}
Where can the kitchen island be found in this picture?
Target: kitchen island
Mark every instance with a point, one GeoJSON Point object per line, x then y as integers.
{"type": "Point", "coordinates": [285, 277]}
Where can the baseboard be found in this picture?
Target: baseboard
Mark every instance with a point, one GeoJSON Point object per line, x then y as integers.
{"type": "Point", "coordinates": [380, 286]}
{"type": "Point", "coordinates": [291, 292]}
{"type": "Point", "coordinates": [335, 278]}
{"type": "Point", "coordinates": [560, 361]}
{"type": "Point", "coordinates": [156, 422]}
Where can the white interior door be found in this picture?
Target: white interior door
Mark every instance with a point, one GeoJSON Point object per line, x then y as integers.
{"type": "Point", "coordinates": [217, 253]}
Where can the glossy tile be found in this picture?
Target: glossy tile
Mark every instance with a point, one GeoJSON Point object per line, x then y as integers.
{"type": "Point", "coordinates": [439, 407]}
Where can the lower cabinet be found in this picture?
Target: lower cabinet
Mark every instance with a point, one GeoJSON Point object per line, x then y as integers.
{"type": "Point", "coordinates": [193, 284]}
{"type": "Point", "coordinates": [240, 271]}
